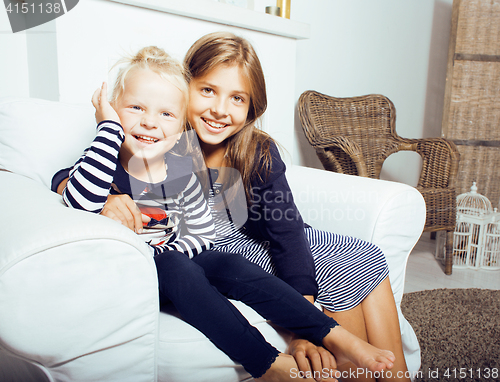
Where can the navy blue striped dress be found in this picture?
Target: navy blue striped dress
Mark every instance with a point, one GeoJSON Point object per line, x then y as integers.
{"type": "Point", "coordinates": [345, 269]}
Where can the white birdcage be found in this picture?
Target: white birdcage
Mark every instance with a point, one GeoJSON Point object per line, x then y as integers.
{"type": "Point", "coordinates": [476, 240]}
{"type": "Point", "coordinates": [490, 258]}
{"type": "Point", "coordinates": [472, 203]}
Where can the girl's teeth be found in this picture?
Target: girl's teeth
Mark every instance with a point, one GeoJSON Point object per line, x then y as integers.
{"type": "Point", "coordinates": [215, 124]}
{"type": "Point", "coordinates": [149, 139]}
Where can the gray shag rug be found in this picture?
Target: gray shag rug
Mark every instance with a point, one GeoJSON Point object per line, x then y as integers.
{"type": "Point", "coordinates": [458, 331]}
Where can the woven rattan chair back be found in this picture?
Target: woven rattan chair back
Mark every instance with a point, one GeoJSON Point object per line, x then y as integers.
{"type": "Point", "coordinates": [356, 135]}
{"type": "Point", "coordinates": [367, 122]}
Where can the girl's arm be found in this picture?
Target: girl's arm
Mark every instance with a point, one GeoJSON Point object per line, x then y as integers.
{"type": "Point", "coordinates": [196, 220]}
{"type": "Point", "coordinates": [274, 214]}
{"type": "Point", "coordinates": [90, 178]}
{"type": "Point", "coordinates": [120, 208]}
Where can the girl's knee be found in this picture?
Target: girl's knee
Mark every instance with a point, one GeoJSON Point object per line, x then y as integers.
{"type": "Point", "coordinates": [218, 260]}
{"type": "Point", "coordinates": [174, 262]}
{"type": "Point", "coordinates": [229, 265]}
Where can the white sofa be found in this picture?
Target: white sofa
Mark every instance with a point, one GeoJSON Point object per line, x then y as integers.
{"type": "Point", "coordinates": [78, 291]}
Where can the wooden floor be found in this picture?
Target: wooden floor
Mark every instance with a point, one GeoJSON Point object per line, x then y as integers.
{"type": "Point", "coordinates": [425, 272]}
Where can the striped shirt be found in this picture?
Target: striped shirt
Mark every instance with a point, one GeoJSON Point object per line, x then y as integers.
{"type": "Point", "coordinates": [181, 219]}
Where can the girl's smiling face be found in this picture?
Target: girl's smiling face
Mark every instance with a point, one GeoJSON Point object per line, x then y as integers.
{"type": "Point", "coordinates": [151, 111]}
{"type": "Point", "coordinates": [218, 104]}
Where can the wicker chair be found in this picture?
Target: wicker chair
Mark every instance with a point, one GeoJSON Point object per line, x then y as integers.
{"type": "Point", "coordinates": [355, 135]}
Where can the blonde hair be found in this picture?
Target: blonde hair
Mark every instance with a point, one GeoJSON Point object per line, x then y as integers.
{"type": "Point", "coordinates": [156, 60]}
{"type": "Point", "coordinates": [225, 48]}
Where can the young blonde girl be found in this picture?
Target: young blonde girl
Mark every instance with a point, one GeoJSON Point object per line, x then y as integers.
{"type": "Point", "coordinates": [348, 277]}
{"type": "Point", "coordinates": [134, 155]}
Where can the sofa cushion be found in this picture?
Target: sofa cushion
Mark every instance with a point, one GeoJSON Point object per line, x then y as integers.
{"type": "Point", "coordinates": [39, 137]}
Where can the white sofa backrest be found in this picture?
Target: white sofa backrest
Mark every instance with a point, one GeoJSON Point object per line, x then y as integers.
{"type": "Point", "coordinates": [39, 137]}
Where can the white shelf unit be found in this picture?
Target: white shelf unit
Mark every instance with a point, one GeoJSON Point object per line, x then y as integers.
{"type": "Point", "coordinates": [227, 14]}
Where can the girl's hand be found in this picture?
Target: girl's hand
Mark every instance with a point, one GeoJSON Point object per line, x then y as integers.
{"type": "Point", "coordinates": [123, 209]}
{"type": "Point", "coordinates": [103, 109]}
{"type": "Point", "coordinates": [313, 360]}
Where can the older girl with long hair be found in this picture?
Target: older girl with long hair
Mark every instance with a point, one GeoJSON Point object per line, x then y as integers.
{"type": "Point", "coordinates": [347, 276]}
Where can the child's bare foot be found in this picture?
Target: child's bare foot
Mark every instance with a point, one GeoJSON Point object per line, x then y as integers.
{"type": "Point", "coordinates": [346, 347]}
{"type": "Point", "coordinates": [284, 368]}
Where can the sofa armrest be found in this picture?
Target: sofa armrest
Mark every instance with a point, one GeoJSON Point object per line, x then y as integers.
{"type": "Point", "coordinates": [79, 292]}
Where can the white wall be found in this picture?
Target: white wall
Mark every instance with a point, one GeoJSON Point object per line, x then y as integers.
{"type": "Point", "coordinates": [14, 80]}
{"type": "Point", "coordinates": [392, 47]}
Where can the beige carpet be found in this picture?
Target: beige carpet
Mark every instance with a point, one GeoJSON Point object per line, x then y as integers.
{"type": "Point", "coordinates": [458, 331]}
